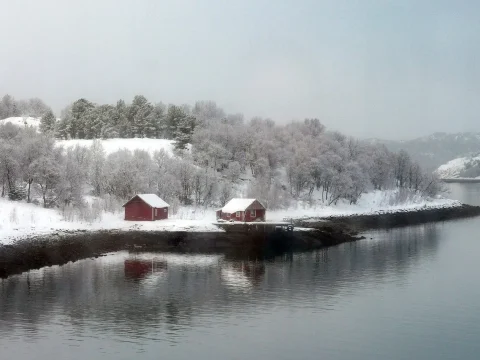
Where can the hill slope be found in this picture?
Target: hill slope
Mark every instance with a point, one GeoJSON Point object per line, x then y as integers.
{"type": "Point", "coordinates": [463, 167]}
{"type": "Point", "coordinates": [436, 149]}
{"type": "Point", "coordinates": [22, 121]}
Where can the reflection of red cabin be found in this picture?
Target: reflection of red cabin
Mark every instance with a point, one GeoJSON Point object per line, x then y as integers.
{"type": "Point", "coordinates": [138, 269]}
{"type": "Point", "coordinates": [242, 210]}
{"type": "Point", "coordinates": [146, 207]}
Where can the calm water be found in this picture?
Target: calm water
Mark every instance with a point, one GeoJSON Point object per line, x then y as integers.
{"type": "Point", "coordinates": [410, 293]}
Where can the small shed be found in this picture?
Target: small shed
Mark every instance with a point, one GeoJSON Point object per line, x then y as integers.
{"type": "Point", "coordinates": [146, 207]}
{"type": "Point", "coordinates": [244, 210]}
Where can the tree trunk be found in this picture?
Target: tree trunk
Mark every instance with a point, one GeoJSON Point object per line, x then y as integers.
{"type": "Point", "coordinates": [28, 190]}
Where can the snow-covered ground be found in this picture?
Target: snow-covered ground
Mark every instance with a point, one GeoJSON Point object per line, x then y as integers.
{"type": "Point", "coordinates": [370, 203]}
{"type": "Point", "coordinates": [455, 167]}
{"type": "Point", "coordinates": [22, 121]}
{"type": "Point", "coordinates": [112, 145]}
{"type": "Point", "coordinates": [20, 220]}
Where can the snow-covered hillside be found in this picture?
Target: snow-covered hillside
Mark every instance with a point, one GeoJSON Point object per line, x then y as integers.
{"type": "Point", "coordinates": [112, 145]}
{"type": "Point", "coordinates": [463, 167]}
{"type": "Point", "coordinates": [22, 121]}
{"type": "Point", "coordinates": [436, 149]}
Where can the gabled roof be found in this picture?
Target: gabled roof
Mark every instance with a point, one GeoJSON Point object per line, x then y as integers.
{"type": "Point", "coordinates": [235, 205]}
{"type": "Point", "coordinates": [150, 199]}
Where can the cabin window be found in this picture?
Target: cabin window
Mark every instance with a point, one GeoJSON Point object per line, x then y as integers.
{"type": "Point", "coordinates": [253, 213]}
{"type": "Point", "coordinates": [238, 213]}
{"type": "Point", "coordinates": [156, 212]}
{"type": "Point", "coordinates": [165, 210]}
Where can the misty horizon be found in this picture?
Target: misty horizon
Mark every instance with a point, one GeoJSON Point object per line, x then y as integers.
{"type": "Point", "coordinates": [392, 71]}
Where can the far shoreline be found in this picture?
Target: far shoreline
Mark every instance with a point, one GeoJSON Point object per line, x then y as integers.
{"type": "Point", "coordinates": [62, 247]}
{"type": "Point", "coordinates": [461, 180]}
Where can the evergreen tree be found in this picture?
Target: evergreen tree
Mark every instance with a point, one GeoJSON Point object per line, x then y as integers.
{"type": "Point", "coordinates": [180, 126]}
{"type": "Point", "coordinates": [183, 134]}
{"type": "Point", "coordinates": [79, 111]}
{"type": "Point", "coordinates": [120, 120]}
{"type": "Point", "coordinates": [62, 128]}
{"type": "Point", "coordinates": [47, 122]}
{"type": "Point", "coordinates": [138, 112]}
{"type": "Point", "coordinates": [160, 118]}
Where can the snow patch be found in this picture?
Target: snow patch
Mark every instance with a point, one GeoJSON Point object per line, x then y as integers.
{"type": "Point", "coordinates": [113, 145]}
{"type": "Point", "coordinates": [22, 121]}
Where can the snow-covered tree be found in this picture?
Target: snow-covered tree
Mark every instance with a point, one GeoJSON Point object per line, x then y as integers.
{"type": "Point", "coordinates": [97, 172]}
{"type": "Point", "coordinates": [46, 172]}
{"type": "Point", "coordinates": [79, 111]}
{"type": "Point", "coordinates": [8, 107]}
{"type": "Point", "coordinates": [47, 122]}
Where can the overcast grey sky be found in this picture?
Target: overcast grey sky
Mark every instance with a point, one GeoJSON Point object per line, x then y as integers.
{"type": "Point", "coordinates": [370, 68]}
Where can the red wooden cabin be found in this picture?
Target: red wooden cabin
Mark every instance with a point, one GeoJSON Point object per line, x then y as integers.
{"type": "Point", "coordinates": [245, 210]}
{"type": "Point", "coordinates": [146, 207]}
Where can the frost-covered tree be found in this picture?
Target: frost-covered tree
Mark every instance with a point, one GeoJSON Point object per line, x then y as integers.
{"type": "Point", "coordinates": [8, 107]}
{"type": "Point", "coordinates": [47, 122]}
{"type": "Point", "coordinates": [96, 169]}
{"type": "Point", "coordinates": [402, 164]}
{"type": "Point", "coordinates": [120, 176]}
{"type": "Point", "coordinates": [73, 177]}
{"type": "Point", "coordinates": [33, 147]}
{"type": "Point", "coordinates": [36, 108]}
{"type": "Point", "coordinates": [8, 165]}
{"type": "Point", "coordinates": [47, 174]}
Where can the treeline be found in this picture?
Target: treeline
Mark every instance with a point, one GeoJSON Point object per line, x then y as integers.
{"type": "Point", "coordinates": [302, 160]}
{"type": "Point", "coordinates": [278, 164]}
{"type": "Point", "coordinates": [10, 107]}
{"type": "Point", "coordinates": [32, 168]}
{"type": "Point", "coordinates": [140, 119]}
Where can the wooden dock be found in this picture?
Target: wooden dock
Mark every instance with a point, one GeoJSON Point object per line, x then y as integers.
{"type": "Point", "coordinates": [263, 227]}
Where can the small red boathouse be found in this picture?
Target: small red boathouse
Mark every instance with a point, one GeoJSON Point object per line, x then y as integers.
{"type": "Point", "coordinates": [244, 210]}
{"type": "Point", "coordinates": [146, 207]}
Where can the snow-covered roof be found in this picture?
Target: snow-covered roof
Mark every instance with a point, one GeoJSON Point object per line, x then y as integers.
{"type": "Point", "coordinates": [235, 205]}
{"type": "Point", "coordinates": [150, 199]}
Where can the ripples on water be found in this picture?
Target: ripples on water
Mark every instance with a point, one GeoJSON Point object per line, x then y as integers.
{"type": "Point", "coordinates": [404, 294]}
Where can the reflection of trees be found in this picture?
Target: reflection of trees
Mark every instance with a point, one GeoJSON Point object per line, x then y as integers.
{"type": "Point", "coordinates": [97, 295]}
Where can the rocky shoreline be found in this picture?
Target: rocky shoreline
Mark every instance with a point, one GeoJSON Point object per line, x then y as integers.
{"type": "Point", "coordinates": [63, 247]}
{"type": "Point", "coordinates": [360, 223]}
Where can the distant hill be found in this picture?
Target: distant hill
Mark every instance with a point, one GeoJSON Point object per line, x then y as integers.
{"type": "Point", "coordinates": [464, 167]}
{"type": "Point", "coordinates": [437, 149]}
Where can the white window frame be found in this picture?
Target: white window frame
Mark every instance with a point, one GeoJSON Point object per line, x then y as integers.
{"type": "Point", "coordinates": [253, 213]}
{"type": "Point", "coordinates": [238, 214]}
{"type": "Point", "coordinates": [165, 210]}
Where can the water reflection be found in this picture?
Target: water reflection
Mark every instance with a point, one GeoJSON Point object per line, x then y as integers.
{"type": "Point", "coordinates": [168, 293]}
{"type": "Point", "coordinates": [468, 193]}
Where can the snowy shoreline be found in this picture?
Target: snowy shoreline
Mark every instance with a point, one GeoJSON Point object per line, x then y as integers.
{"type": "Point", "coordinates": [20, 221]}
